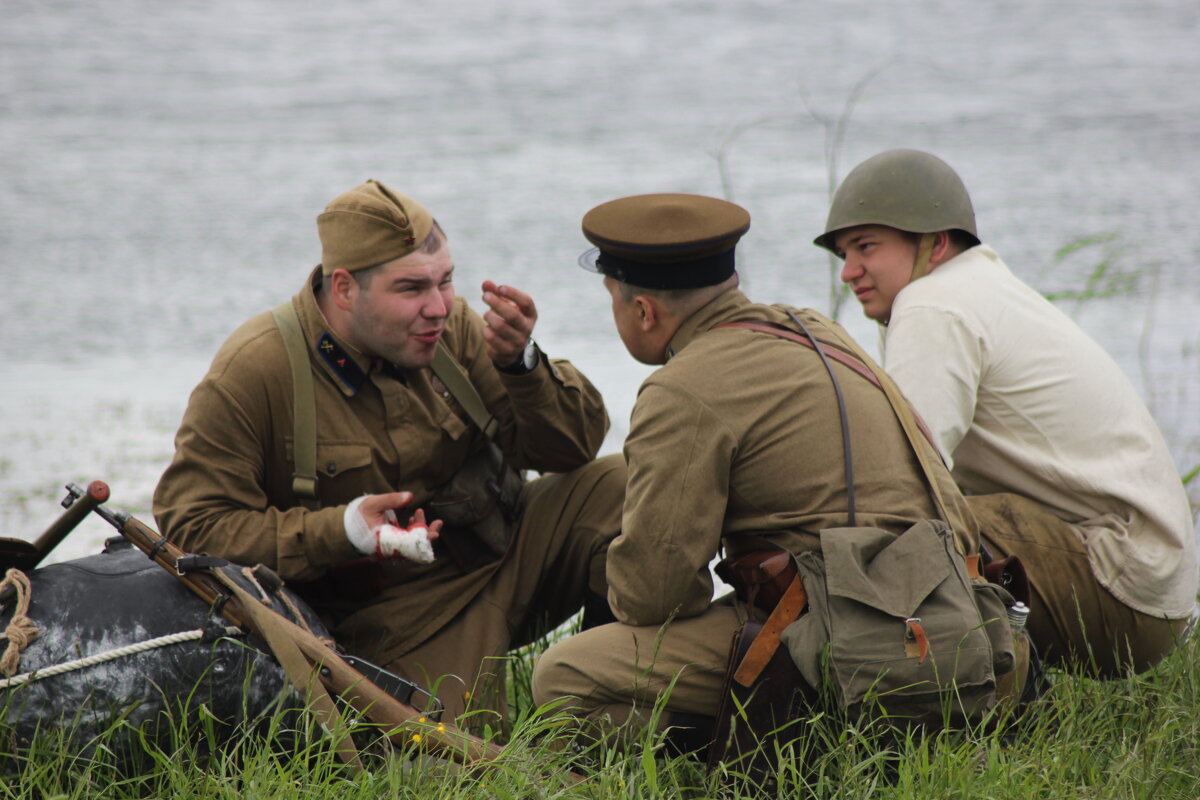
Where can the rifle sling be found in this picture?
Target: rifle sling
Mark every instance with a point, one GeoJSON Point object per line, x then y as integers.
{"type": "Point", "coordinates": [311, 663]}
{"type": "Point", "coordinates": [299, 668]}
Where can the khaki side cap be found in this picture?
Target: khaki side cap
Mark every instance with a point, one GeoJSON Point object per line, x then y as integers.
{"type": "Point", "coordinates": [369, 225]}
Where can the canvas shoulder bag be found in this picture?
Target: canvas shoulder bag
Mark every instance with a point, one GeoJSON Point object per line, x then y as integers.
{"type": "Point", "coordinates": [896, 624]}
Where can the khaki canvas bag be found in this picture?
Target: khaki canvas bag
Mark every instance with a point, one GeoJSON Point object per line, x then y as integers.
{"type": "Point", "coordinates": [902, 627]}
{"type": "Point", "coordinates": [893, 627]}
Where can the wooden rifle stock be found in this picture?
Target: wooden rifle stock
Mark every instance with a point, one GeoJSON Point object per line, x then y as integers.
{"type": "Point", "coordinates": [399, 720]}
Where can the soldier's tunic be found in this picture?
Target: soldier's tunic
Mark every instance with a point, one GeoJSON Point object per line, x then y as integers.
{"type": "Point", "coordinates": [734, 442]}
{"type": "Point", "coordinates": [228, 490]}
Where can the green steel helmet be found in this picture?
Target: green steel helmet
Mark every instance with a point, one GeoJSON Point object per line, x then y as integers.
{"type": "Point", "coordinates": [904, 189]}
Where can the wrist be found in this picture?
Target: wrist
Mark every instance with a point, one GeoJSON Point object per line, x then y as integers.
{"type": "Point", "coordinates": [530, 357]}
{"type": "Point", "coordinates": [357, 531]}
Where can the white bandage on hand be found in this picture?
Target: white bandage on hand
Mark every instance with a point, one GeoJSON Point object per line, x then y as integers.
{"type": "Point", "coordinates": [387, 540]}
{"type": "Point", "coordinates": [411, 543]}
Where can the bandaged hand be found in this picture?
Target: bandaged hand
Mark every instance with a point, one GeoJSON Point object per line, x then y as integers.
{"type": "Point", "coordinates": [413, 542]}
{"type": "Point", "coordinates": [372, 527]}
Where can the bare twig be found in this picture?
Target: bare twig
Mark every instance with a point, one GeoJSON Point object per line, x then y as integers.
{"type": "Point", "coordinates": [835, 137]}
{"type": "Point", "coordinates": [1144, 346]}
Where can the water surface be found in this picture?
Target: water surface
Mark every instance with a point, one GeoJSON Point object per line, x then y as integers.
{"type": "Point", "coordinates": [163, 163]}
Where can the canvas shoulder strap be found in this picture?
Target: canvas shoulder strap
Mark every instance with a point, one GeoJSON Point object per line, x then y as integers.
{"type": "Point", "coordinates": [949, 500]}
{"type": "Point", "coordinates": [452, 374]}
{"type": "Point", "coordinates": [304, 478]}
{"type": "Point", "coordinates": [846, 351]}
{"type": "Point", "coordinates": [304, 408]}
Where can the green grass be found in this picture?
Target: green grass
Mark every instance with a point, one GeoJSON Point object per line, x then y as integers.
{"type": "Point", "coordinates": [1133, 738]}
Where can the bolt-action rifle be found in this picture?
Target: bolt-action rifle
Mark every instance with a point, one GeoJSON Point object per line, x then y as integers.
{"type": "Point", "coordinates": [315, 668]}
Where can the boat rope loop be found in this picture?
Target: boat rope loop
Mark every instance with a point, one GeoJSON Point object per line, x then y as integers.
{"type": "Point", "coordinates": [20, 631]}
{"type": "Point", "coordinates": [110, 655]}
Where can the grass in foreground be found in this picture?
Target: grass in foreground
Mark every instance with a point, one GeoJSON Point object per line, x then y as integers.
{"type": "Point", "coordinates": [1134, 738]}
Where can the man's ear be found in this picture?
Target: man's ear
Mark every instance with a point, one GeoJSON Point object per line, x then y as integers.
{"type": "Point", "coordinates": [342, 286]}
{"type": "Point", "coordinates": [943, 249]}
{"type": "Point", "coordinates": [648, 312]}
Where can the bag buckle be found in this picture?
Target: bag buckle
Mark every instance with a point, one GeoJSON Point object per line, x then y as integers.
{"type": "Point", "coordinates": [916, 643]}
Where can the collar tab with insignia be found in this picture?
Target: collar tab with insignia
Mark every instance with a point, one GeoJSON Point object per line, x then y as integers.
{"type": "Point", "coordinates": [340, 362]}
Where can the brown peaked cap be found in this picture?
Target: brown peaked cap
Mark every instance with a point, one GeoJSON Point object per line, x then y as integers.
{"type": "Point", "coordinates": [664, 241]}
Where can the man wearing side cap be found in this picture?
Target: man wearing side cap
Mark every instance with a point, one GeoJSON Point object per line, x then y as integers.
{"type": "Point", "coordinates": [735, 442]}
{"type": "Point", "coordinates": [416, 399]}
{"type": "Point", "coordinates": [1062, 463]}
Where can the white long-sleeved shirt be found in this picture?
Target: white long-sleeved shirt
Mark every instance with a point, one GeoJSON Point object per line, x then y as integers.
{"type": "Point", "coordinates": [1021, 400]}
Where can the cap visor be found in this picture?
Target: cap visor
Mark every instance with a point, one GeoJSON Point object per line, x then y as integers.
{"type": "Point", "coordinates": [587, 260]}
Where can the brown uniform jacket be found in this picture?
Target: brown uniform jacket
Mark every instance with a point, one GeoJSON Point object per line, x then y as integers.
{"type": "Point", "coordinates": [228, 490]}
{"type": "Point", "coordinates": [736, 440]}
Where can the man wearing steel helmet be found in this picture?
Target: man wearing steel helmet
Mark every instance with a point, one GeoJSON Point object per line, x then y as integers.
{"type": "Point", "coordinates": [735, 442]}
{"type": "Point", "coordinates": [1061, 461]}
{"type": "Point", "coordinates": [395, 432]}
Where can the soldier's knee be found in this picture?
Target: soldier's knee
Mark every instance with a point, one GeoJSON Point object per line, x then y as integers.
{"type": "Point", "coordinates": [565, 672]}
{"type": "Point", "coordinates": [603, 480]}
{"type": "Point", "coordinates": [549, 680]}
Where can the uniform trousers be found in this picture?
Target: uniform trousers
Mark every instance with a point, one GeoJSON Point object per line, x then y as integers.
{"type": "Point", "coordinates": [614, 672]}
{"type": "Point", "coordinates": [556, 556]}
{"type": "Point", "coordinates": [1074, 621]}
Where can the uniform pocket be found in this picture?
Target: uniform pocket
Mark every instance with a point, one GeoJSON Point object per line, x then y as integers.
{"type": "Point", "coordinates": [337, 458]}
{"type": "Point", "coordinates": [341, 467]}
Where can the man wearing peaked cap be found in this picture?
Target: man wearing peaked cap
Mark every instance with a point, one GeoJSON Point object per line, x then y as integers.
{"type": "Point", "coordinates": [734, 443]}
{"type": "Point", "coordinates": [421, 410]}
{"type": "Point", "coordinates": [1063, 464]}
{"type": "Point", "coordinates": [664, 241]}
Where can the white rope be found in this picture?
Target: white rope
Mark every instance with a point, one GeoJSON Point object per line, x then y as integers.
{"type": "Point", "coordinates": [108, 655]}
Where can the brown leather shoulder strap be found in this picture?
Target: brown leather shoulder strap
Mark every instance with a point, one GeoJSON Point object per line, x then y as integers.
{"type": "Point", "coordinates": [843, 416]}
{"type": "Point", "coordinates": [835, 351]}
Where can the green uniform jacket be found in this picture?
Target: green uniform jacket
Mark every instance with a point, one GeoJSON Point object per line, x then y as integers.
{"type": "Point", "coordinates": [736, 440]}
{"type": "Point", "coordinates": [228, 490]}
